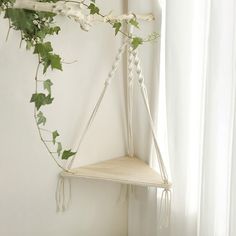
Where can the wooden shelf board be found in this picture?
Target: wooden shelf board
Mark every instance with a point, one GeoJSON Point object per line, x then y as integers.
{"type": "Point", "coordinates": [126, 170]}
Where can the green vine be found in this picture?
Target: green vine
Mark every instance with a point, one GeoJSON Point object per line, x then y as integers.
{"type": "Point", "coordinates": [34, 28]}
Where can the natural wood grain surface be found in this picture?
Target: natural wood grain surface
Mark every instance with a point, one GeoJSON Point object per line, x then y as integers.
{"type": "Point", "coordinates": [126, 170]}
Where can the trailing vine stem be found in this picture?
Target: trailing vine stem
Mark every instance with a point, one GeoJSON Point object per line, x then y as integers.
{"type": "Point", "coordinates": [9, 29]}
{"type": "Point", "coordinates": [46, 130]}
{"type": "Point", "coordinates": [21, 39]}
{"type": "Point", "coordinates": [34, 26]}
{"type": "Point", "coordinates": [39, 128]}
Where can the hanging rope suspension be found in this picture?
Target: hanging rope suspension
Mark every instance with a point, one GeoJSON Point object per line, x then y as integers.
{"type": "Point", "coordinates": [130, 98]}
{"type": "Point", "coordinates": [94, 112]}
{"type": "Point", "coordinates": [151, 123]}
{"type": "Point", "coordinates": [133, 62]}
{"type": "Point", "coordinates": [133, 56]}
{"type": "Point", "coordinates": [165, 203]}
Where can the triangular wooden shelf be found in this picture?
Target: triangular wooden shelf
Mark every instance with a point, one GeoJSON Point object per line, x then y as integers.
{"type": "Point", "coordinates": [127, 170]}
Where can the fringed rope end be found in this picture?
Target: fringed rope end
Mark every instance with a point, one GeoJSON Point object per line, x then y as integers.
{"type": "Point", "coordinates": [164, 209]}
{"type": "Point", "coordinates": [125, 192]}
{"type": "Point", "coordinates": [63, 194]}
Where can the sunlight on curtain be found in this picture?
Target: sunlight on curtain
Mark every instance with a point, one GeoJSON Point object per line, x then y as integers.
{"type": "Point", "coordinates": [200, 87]}
{"type": "Point", "coordinates": [219, 118]}
{"type": "Point", "coordinates": [196, 87]}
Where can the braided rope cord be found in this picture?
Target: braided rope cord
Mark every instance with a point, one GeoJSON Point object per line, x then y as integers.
{"type": "Point", "coordinates": [94, 112]}
{"type": "Point", "coordinates": [133, 60]}
{"type": "Point", "coordinates": [130, 97]}
{"type": "Point", "coordinates": [144, 92]}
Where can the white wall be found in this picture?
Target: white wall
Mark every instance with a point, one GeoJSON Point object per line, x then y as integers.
{"type": "Point", "coordinates": [28, 176]}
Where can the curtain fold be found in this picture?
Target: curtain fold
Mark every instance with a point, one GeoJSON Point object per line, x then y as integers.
{"type": "Point", "coordinates": [198, 68]}
{"type": "Point", "coordinates": [200, 84]}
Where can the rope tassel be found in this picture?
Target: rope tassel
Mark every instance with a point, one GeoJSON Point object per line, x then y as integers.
{"type": "Point", "coordinates": [63, 194]}
{"type": "Point", "coordinates": [164, 209]}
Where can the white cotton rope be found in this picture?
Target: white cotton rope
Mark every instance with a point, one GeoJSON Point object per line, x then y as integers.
{"type": "Point", "coordinates": [125, 189]}
{"type": "Point", "coordinates": [133, 60]}
{"type": "Point", "coordinates": [164, 209]}
{"type": "Point", "coordinates": [151, 123]}
{"type": "Point", "coordinates": [124, 193]}
{"type": "Point", "coordinates": [63, 194]}
{"type": "Point", "coordinates": [130, 98]}
{"type": "Point", "coordinates": [134, 56]}
{"type": "Point", "coordinates": [94, 112]}
{"type": "Point", "coordinates": [165, 203]}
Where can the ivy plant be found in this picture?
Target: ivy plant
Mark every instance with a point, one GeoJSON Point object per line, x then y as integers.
{"type": "Point", "coordinates": [34, 28]}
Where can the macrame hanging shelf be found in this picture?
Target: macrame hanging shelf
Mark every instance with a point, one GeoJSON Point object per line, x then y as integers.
{"type": "Point", "coordinates": [127, 169]}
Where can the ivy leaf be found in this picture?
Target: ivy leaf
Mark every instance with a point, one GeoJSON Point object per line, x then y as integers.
{"type": "Point", "coordinates": [54, 30]}
{"type": "Point", "coordinates": [21, 19]}
{"type": "Point", "coordinates": [55, 62]}
{"type": "Point", "coordinates": [29, 45]}
{"type": "Point", "coordinates": [43, 49]}
{"type": "Point", "coordinates": [52, 60]}
{"type": "Point", "coordinates": [153, 36]}
{"type": "Point", "coordinates": [117, 26]}
{"type": "Point", "coordinates": [47, 85]}
{"type": "Point", "coordinates": [48, 100]}
{"type": "Point", "coordinates": [136, 42]}
{"type": "Point", "coordinates": [41, 99]}
{"type": "Point", "coordinates": [41, 118]}
{"type": "Point", "coordinates": [46, 64]}
{"type": "Point", "coordinates": [55, 134]}
{"type": "Point", "coordinates": [134, 22]}
{"type": "Point", "coordinates": [93, 9]}
{"type": "Point", "coordinates": [59, 148]}
{"type": "Point", "coordinates": [67, 153]}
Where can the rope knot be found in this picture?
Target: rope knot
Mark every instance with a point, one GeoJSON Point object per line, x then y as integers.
{"type": "Point", "coordinates": [141, 80]}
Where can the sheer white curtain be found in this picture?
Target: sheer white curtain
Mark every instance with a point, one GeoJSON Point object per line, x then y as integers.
{"type": "Point", "coordinates": [200, 85]}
